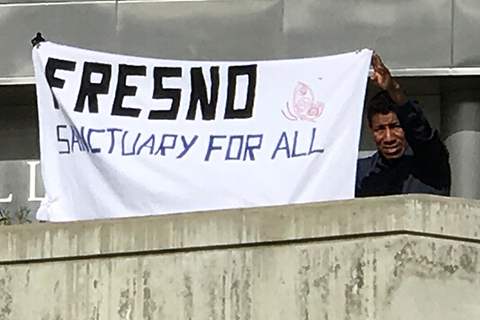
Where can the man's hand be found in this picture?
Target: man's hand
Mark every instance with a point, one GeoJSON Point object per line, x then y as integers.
{"type": "Point", "coordinates": [381, 75]}
{"type": "Point", "coordinates": [382, 78]}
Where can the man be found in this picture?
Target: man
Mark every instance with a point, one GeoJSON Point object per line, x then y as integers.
{"type": "Point", "coordinates": [411, 157]}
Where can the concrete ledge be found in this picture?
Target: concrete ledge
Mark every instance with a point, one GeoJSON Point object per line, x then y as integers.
{"type": "Point", "coordinates": [421, 214]}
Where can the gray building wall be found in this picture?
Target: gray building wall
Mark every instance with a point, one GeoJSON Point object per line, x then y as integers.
{"type": "Point", "coordinates": [426, 37]}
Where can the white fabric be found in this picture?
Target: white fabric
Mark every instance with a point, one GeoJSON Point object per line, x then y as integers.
{"type": "Point", "coordinates": [303, 137]}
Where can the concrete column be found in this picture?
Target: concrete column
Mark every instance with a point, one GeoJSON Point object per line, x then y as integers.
{"type": "Point", "coordinates": [460, 127]}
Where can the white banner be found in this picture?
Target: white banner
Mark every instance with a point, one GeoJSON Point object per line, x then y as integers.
{"type": "Point", "coordinates": [126, 136]}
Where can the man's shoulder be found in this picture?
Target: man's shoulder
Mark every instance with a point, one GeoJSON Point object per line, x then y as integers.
{"type": "Point", "coordinates": [366, 163]}
{"type": "Point", "coordinates": [365, 157]}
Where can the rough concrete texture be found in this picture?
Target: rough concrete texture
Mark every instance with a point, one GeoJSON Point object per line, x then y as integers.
{"type": "Point", "coordinates": [404, 257]}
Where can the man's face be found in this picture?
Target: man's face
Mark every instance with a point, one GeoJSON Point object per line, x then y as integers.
{"type": "Point", "coordinates": [389, 135]}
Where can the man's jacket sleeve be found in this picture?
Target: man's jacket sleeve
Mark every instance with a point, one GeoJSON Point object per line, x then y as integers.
{"type": "Point", "coordinates": [430, 153]}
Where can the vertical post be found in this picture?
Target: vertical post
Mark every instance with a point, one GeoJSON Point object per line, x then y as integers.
{"type": "Point", "coordinates": [460, 127]}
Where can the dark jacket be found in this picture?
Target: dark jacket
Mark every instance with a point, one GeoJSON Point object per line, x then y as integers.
{"type": "Point", "coordinates": [423, 168]}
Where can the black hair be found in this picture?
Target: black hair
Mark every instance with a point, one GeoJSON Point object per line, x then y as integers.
{"type": "Point", "coordinates": [380, 103]}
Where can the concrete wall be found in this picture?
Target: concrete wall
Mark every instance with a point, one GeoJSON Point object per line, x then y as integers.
{"type": "Point", "coordinates": [403, 257]}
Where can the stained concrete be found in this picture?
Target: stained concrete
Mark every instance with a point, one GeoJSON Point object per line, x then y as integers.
{"type": "Point", "coordinates": [402, 257]}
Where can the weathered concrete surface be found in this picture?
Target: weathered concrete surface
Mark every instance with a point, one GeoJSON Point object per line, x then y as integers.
{"type": "Point", "coordinates": [412, 257]}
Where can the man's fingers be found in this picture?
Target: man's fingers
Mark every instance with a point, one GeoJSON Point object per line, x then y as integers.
{"type": "Point", "coordinates": [374, 61]}
{"type": "Point", "coordinates": [378, 63]}
{"type": "Point", "coordinates": [380, 73]}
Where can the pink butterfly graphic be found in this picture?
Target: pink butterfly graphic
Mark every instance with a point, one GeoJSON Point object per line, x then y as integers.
{"type": "Point", "coordinates": [303, 106]}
